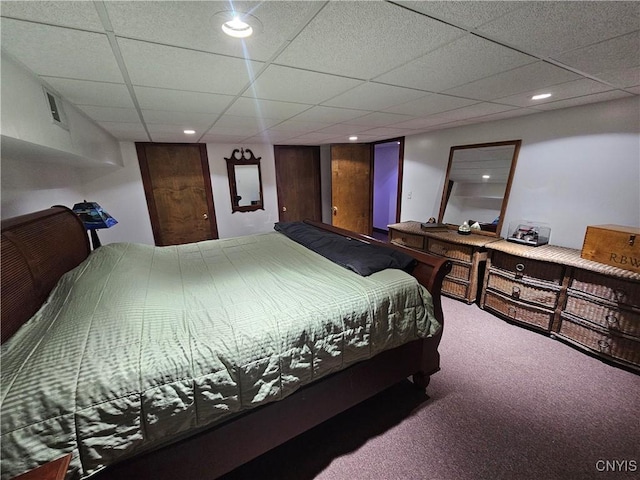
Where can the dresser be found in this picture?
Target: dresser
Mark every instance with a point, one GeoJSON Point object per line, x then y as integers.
{"type": "Point", "coordinates": [593, 306]}
{"type": "Point", "coordinates": [466, 252]}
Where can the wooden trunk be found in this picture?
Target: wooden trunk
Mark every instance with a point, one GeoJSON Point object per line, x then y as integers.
{"type": "Point", "coordinates": [613, 245]}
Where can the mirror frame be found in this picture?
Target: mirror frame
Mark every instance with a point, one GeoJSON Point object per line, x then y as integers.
{"type": "Point", "coordinates": [505, 198]}
{"type": "Point", "coordinates": [234, 160]}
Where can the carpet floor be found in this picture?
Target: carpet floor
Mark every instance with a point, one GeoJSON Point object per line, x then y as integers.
{"type": "Point", "coordinates": [509, 403]}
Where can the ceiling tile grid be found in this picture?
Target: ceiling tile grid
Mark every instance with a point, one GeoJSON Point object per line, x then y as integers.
{"type": "Point", "coordinates": [318, 71]}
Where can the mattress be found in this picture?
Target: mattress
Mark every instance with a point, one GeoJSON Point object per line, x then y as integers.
{"type": "Point", "coordinates": [139, 345]}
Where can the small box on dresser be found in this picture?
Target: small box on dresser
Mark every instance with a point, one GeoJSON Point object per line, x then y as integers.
{"type": "Point", "coordinates": [613, 245]}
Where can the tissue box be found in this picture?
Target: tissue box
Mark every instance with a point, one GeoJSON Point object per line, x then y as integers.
{"type": "Point", "coordinates": [614, 245]}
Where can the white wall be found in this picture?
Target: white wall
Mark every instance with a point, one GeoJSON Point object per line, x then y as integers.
{"type": "Point", "coordinates": [29, 187]}
{"type": "Point", "coordinates": [577, 167]}
{"type": "Point", "coordinates": [242, 223]}
{"type": "Point", "coordinates": [121, 193]}
{"type": "Point", "coordinates": [26, 123]}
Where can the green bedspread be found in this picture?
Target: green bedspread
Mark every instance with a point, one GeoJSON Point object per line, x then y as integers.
{"type": "Point", "coordinates": [139, 344]}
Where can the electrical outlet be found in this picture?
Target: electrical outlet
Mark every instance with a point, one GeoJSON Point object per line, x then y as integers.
{"type": "Point", "coordinates": [409, 195]}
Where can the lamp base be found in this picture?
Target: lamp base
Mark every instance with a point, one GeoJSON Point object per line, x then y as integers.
{"type": "Point", "coordinates": [95, 241]}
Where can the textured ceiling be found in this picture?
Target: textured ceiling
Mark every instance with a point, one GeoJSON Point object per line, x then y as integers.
{"type": "Point", "coordinates": [317, 72]}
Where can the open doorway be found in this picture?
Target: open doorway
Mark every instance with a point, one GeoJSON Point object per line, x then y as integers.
{"type": "Point", "coordinates": [387, 185]}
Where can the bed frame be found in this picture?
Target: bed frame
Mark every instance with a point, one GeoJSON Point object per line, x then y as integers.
{"type": "Point", "coordinates": [38, 248]}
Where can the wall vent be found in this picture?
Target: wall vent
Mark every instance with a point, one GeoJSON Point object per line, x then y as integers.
{"type": "Point", "coordinates": [54, 103]}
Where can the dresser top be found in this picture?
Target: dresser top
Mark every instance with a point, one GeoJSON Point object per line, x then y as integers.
{"type": "Point", "coordinates": [562, 255]}
{"type": "Point", "coordinates": [452, 236]}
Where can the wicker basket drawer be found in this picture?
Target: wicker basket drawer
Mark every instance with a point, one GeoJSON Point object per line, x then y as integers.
{"type": "Point", "coordinates": [451, 250]}
{"type": "Point", "coordinates": [527, 268]}
{"type": "Point", "coordinates": [606, 315]}
{"type": "Point", "coordinates": [455, 288]}
{"type": "Point", "coordinates": [408, 239]}
{"type": "Point", "coordinates": [460, 270]}
{"type": "Point", "coordinates": [612, 345]}
{"type": "Point", "coordinates": [615, 290]}
{"type": "Point", "coordinates": [541, 294]}
{"type": "Point", "coordinates": [518, 311]}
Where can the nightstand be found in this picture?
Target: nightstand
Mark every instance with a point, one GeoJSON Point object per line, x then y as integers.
{"type": "Point", "coordinates": [54, 470]}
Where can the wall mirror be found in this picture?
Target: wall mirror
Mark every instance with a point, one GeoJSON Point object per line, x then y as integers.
{"type": "Point", "coordinates": [477, 185]}
{"type": "Point", "coordinates": [245, 181]}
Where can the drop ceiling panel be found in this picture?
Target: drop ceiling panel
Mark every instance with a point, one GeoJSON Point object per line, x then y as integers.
{"type": "Point", "coordinates": [289, 84]}
{"type": "Point", "coordinates": [343, 130]}
{"type": "Point", "coordinates": [131, 131]}
{"type": "Point", "coordinates": [250, 123]}
{"type": "Point", "coordinates": [574, 102]}
{"type": "Point", "coordinates": [296, 126]}
{"type": "Point", "coordinates": [60, 52]}
{"type": "Point", "coordinates": [181, 101]}
{"type": "Point", "coordinates": [351, 67]}
{"type": "Point", "coordinates": [518, 112]}
{"type": "Point", "coordinates": [154, 65]}
{"type": "Point", "coordinates": [522, 79]}
{"type": "Point", "coordinates": [563, 91]}
{"type": "Point", "coordinates": [377, 119]}
{"type": "Point", "coordinates": [269, 136]}
{"type": "Point", "coordinates": [346, 38]}
{"type": "Point", "coordinates": [84, 92]}
{"type": "Point", "coordinates": [430, 104]}
{"type": "Point", "coordinates": [331, 114]}
{"type": "Point", "coordinates": [550, 28]}
{"type": "Point", "coordinates": [179, 120]}
{"type": "Point", "coordinates": [373, 96]}
{"type": "Point", "coordinates": [466, 14]}
{"type": "Point", "coordinates": [214, 138]}
{"type": "Point", "coordinates": [623, 78]}
{"type": "Point", "coordinates": [170, 138]}
{"type": "Point", "coordinates": [269, 108]}
{"type": "Point", "coordinates": [386, 132]}
{"type": "Point", "coordinates": [475, 58]}
{"type": "Point", "coordinates": [110, 114]}
{"type": "Point", "coordinates": [77, 14]}
{"type": "Point", "coordinates": [472, 111]}
{"type": "Point", "coordinates": [313, 138]}
{"type": "Point", "coordinates": [194, 24]}
{"type": "Point", "coordinates": [615, 54]}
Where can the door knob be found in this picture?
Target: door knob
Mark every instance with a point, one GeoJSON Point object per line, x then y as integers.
{"type": "Point", "coordinates": [335, 211]}
{"type": "Point", "coordinates": [205, 216]}
{"type": "Point", "coordinates": [284, 209]}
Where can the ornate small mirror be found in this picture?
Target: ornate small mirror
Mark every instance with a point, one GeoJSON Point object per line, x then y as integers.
{"type": "Point", "coordinates": [245, 181]}
{"type": "Point", "coordinates": [477, 185]}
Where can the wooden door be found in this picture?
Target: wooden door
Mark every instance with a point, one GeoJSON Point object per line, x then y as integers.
{"type": "Point", "coordinates": [298, 182]}
{"type": "Point", "coordinates": [177, 185]}
{"type": "Point", "coordinates": [351, 187]}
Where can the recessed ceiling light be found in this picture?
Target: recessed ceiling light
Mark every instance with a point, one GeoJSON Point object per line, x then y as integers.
{"type": "Point", "coordinates": [353, 138]}
{"type": "Point", "coordinates": [486, 177]}
{"type": "Point", "coordinates": [189, 132]}
{"type": "Point", "coordinates": [237, 24]}
{"type": "Point", "coordinates": [237, 28]}
{"type": "Point", "coordinates": [541, 96]}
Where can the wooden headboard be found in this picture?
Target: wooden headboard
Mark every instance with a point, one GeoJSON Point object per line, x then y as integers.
{"type": "Point", "coordinates": [36, 250]}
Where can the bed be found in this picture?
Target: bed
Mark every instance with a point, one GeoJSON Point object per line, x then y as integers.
{"type": "Point", "coordinates": [188, 361]}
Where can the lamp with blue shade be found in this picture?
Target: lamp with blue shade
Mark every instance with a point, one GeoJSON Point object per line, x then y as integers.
{"type": "Point", "coordinates": [94, 218]}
